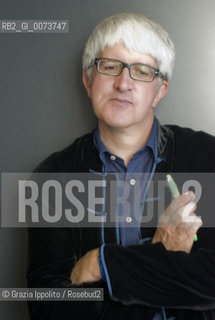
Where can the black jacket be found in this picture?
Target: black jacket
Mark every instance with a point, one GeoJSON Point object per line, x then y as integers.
{"type": "Point", "coordinates": [143, 278]}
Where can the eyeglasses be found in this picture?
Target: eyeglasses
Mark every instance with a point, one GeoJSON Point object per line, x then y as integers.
{"type": "Point", "coordinates": [137, 71]}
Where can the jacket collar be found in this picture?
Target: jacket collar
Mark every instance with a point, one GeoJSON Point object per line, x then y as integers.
{"type": "Point", "coordinates": [166, 148]}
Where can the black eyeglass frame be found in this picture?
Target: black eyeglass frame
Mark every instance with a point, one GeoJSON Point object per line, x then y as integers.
{"type": "Point", "coordinates": [157, 72]}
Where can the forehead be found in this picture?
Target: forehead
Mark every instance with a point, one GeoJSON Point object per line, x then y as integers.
{"type": "Point", "coordinates": [120, 52]}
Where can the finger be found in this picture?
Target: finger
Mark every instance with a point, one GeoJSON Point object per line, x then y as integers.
{"type": "Point", "coordinates": [185, 198]}
{"type": "Point", "coordinates": [192, 222]}
{"type": "Point", "coordinates": [75, 280]}
{"type": "Point", "coordinates": [196, 221]}
{"type": "Point", "coordinates": [180, 202]}
{"type": "Point", "coordinates": [187, 210]}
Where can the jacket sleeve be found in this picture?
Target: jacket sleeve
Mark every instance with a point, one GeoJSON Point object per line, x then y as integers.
{"type": "Point", "coordinates": [152, 276]}
{"type": "Point", "coordinates": [52, 255]}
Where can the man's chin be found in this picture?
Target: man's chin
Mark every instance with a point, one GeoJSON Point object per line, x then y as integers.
{"type": "Point", "coordinates": [114, 124]}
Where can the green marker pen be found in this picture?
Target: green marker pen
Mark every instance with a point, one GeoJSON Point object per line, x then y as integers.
{"type": "Point", "coordinates": [175, 193]}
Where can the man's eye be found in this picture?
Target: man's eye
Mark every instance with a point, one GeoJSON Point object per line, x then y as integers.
{"type": "Point", "coordinates": [143, 72]}
{"type": "Point", "coordinates": [110, 67]}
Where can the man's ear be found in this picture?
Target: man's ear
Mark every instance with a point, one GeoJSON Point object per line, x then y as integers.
{"type": "Point", "coordinates": [86, 83]}
{"type": "Point", "coordinates": [161, 93]}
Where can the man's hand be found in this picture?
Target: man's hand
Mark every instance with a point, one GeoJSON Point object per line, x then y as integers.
{"type": "Point", "coordinates": [178, 225]}
{"type": "Point", "coordinates": [87, 268]}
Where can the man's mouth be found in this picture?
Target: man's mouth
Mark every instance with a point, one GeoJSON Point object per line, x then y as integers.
{"type": "Point", "coordinates": [121, 101]}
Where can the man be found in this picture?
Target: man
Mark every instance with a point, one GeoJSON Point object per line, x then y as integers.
{"type": "Point", "coordinates": [127, 63]}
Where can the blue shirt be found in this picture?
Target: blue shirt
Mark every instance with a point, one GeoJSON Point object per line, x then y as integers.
{"type": "Point", "coordinates": [141, 161]}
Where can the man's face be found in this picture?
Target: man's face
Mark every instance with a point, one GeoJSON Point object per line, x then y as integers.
{"type": "Point", "coordinates": [119, 101]}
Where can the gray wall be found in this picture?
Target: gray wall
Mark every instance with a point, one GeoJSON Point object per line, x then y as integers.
{"type": "Point", "coordinates": [43, 103]}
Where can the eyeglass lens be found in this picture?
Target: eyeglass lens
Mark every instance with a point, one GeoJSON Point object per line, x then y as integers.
{"type": "Point", "coordinates": [137, 71]}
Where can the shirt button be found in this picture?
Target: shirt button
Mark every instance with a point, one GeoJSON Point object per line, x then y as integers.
{"type": "Point", "coordinates": [112, 157]}
{"type": "Point", "coordinates": [128, 219]}
{"type": "Point", "coordinates": [132, 182]}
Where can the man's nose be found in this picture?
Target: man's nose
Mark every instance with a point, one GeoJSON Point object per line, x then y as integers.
{"type": "Point", "coordinates": [123, 82]}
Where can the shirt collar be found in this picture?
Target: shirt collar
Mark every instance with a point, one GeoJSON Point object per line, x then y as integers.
{"type": "Point", "coordinates": [151, 142]}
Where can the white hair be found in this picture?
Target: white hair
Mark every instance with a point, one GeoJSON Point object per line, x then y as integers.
{"type": "Point", "coordinates": [138, 33]}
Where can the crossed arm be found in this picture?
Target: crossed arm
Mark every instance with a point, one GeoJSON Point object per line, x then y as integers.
{"type": "Point", "coordinates": [176, 229]}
